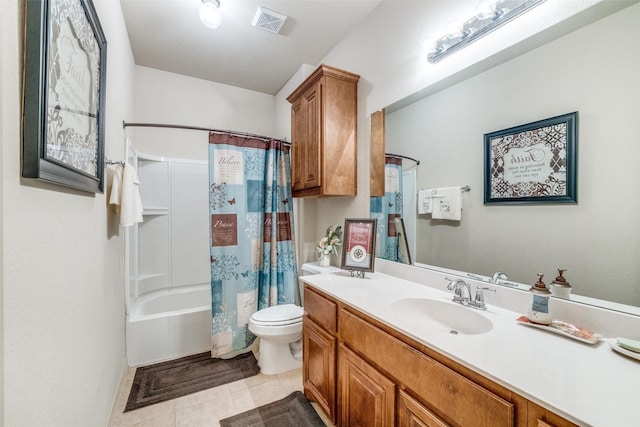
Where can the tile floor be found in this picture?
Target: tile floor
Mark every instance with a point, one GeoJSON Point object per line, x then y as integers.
{"type": "Point", "coordinates": [206, 408]}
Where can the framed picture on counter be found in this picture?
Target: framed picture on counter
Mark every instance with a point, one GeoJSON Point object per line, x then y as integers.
{"type": "Point", "coordinates": [359, 245]}
{"type": "Point", "coordinates": [64, 94]}
{"type": "Point", "coordinates": [532, 163]}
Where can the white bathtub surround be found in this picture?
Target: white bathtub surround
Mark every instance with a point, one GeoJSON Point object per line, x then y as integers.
{"type": "Point", "coordinates": [578, 381]}
{"type": "Point", "coordinates": [169, 324]}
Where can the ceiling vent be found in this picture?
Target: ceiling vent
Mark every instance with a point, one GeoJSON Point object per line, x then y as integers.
{"type": "Point", "coordinates": [268, 20]}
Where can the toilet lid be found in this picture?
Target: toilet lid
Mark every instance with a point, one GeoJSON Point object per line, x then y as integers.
{"type": "Point", "coordinates": [284, 314]}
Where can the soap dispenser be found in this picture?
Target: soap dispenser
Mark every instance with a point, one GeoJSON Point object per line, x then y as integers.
{"type": "Point", "coordinates": [560, 287]}
{"type": "Point", "coordinates": [539, 311]}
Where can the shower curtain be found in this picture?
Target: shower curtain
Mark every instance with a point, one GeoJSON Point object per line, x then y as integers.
{"type": "Point", "coordinates": [388, 207]}
{"type": "Point", "coordinates": [253, 261]}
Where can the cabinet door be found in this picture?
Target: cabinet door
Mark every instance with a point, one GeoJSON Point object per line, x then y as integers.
{"type": "Point", "coordinates": [312, 142]}
{"type": "Point", "coordinates": [367, 398]}
{"type": "Point", "coordinates": [306, 140]}
{"type": "Point", "coordinates": [319, 366]}
{"type": "Point", "coordinates": [540, 417]}
{"type": "Point", "coordinates": [412, 413]}
{"type": "Point", "coordinates": [298, 131]}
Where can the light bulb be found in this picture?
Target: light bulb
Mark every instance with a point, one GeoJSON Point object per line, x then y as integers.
{"type": "Point", "coordinates": [455, 30]}
{"type": "Point", "coordinates": [487, 9]}
{"type": "Point", "coordinates": [430, 45]}
{"type": "Point", "coordinates": [210, 14]}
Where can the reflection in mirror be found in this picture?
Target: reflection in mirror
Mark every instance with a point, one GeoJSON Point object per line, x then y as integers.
{"type": "Point", "coordinates": [388, 207]}
{"type": "Point", "coordinates": [597, 240]}
{"type": "Point", "coordinates": [404, 254]}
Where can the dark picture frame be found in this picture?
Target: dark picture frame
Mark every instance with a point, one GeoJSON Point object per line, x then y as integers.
{"type": "Point", "coordinates": [359, 243]}
{"type": "Point", "coordinates": [532, 163]}
{"type": "Point", "coordinates": [64, 94]}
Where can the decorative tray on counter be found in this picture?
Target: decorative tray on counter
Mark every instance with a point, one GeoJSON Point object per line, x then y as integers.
{"type": "Point", "coordinates": [613, 342]}
{"type": "Point", "coordinates": [565, 329]}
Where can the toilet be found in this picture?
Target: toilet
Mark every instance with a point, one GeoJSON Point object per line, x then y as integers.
{"type": "Point", "coordinates": [279, 328]}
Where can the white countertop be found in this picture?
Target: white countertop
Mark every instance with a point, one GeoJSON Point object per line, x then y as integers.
{"type": "Point", "coordinates": [590, 385]}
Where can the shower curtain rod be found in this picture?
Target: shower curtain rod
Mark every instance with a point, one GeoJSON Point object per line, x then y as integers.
{"type": "Point", "coordinates": [219, 131]}
{"type": "Point", "coordinates": [403, 157]}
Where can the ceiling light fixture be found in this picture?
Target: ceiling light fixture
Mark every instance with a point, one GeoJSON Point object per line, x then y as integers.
{"type": "Point", "coordinates": [489, 17]}
{"type": "Point", "coordinates": [210, 14]}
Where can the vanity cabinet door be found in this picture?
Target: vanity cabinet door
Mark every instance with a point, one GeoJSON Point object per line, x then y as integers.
{"type": "Point", "coordinates": [540, 417]}
{"type": "Point", "coordinates": [412, 413]}
{"type": "Point", "coordinates": [319, 366]}
{"type": "Point", "coordinates": [367, 398]}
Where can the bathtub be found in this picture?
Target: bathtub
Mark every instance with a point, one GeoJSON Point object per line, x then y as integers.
{"type": "Point", "coordinates": [169, 324]}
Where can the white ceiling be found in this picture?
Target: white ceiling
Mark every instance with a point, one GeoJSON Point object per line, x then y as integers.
{"type": "Point", "coordinates": [168, 35]}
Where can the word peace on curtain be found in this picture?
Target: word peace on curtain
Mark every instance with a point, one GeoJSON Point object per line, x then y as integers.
{"type": "Point", "coordinates": [253, 262]}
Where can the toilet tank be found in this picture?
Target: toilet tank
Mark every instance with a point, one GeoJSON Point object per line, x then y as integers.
{"type": "Point", "coordinates": [311, 268]}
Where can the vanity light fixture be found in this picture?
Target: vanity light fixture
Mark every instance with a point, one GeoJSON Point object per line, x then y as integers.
{"type": "Point", "coordinates": [210, 14]}
{"type": "Point", "coordinates": [489, 17]}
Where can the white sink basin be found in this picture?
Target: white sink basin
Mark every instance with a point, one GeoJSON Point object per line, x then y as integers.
{"type": "Point", "coordinates": [442, 315]}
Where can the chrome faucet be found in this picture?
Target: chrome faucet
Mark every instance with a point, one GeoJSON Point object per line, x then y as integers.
{"type": "Point", "coordinates": [498, 275]}
{"type": "Point", "coordinates": [462, 294]}
{"type": "Point", "coordinates": [461, 291]}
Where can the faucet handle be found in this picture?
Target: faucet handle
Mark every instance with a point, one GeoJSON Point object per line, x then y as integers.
{"type": "Point", "coordinates": [498, 275]}
{"type": "Point", "coordinates": [479, 299]}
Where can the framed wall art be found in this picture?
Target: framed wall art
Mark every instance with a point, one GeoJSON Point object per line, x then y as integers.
{"type": "Point", "coordinates": [359, 242]}
{"type": "Point", "coordinates": [532, 163]}
{"type": "Point", "coordinates": [64, 94]}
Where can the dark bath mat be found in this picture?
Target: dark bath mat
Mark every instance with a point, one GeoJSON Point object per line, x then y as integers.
{"type": "Point", "coordinates": [176, 378]}
{"type": "Point", "coordinates": [292, 411]}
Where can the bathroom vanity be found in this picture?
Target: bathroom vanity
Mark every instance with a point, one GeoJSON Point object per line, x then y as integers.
{"type": "Point", "coordinates": [372, 358]}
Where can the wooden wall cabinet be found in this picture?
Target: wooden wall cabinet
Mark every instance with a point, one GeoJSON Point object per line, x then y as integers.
{"type": "Point", "coordinates": [323, 134]}
{"type": "Point", "coordinates": [384, 378]}
{"type": "Point", "coordinates": [377, 157]}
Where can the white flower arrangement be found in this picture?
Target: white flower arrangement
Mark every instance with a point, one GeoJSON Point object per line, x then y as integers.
{"type": "Point", "coordinates": [331, 241]}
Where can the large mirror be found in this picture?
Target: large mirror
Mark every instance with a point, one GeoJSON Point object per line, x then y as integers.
{"type": "Point", "coordinates": [595, 71]}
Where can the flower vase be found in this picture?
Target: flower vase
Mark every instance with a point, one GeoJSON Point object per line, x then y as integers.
{"type": "Point", "coordinates": [325, 260]}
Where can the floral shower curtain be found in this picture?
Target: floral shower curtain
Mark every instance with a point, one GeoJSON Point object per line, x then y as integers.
{"type": "Point", "coordinates": [386, 209]}
{"type": "Point", "coordinates": [253, 261]}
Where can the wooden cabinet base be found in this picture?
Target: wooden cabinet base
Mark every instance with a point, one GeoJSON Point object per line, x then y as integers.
{"type": "Point", "coordinates": [384, 378]}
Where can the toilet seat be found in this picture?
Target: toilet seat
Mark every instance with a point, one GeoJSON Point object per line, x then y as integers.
{"type": "Point", "coordinates": [278, 315]}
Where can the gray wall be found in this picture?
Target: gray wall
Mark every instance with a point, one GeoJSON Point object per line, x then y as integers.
{"type": "Point", "coordinates": [595, 71]}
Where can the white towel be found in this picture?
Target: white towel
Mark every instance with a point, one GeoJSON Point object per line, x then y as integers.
{"type": "Point", "coordinates": [425, 201]}
{"type": "Point", "coordinates": [116, 188]}
{"type": "Point", "coordinates": [125, 194]}
{"type": "Point", "coordinates": [449, 205]}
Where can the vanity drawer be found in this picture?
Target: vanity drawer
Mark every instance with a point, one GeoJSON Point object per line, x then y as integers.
{"type": "Point", "coordinates": [451, 396]}
{"type": "Point", "coordinates": [320, 309]}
